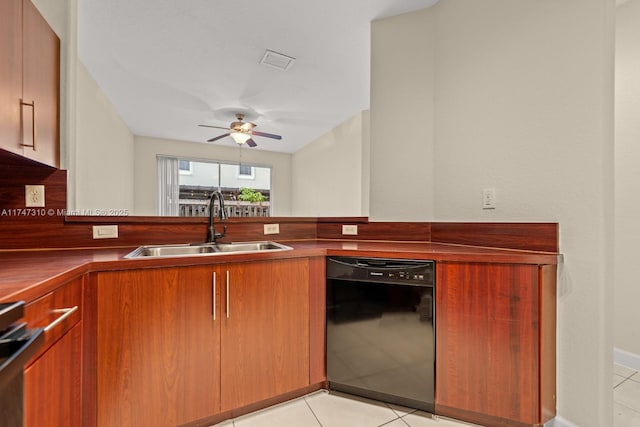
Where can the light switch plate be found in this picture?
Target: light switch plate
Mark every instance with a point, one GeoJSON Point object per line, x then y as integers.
{"type": "Point", "coordinates": [489, 198]}
{"type": "Point", "coordinates": [105, 231]}
{"type": "Point", "coordinates": [34, 196]}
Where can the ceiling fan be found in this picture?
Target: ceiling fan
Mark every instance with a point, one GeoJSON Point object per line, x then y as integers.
{"type": "Point", "coordinates": [241, 132]}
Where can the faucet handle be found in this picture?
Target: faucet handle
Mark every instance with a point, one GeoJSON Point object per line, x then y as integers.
{"type": "Point", "coordinates": [221, 235]}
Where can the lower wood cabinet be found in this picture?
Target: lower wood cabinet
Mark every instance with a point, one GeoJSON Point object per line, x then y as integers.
{"type": "Point", "coordinates": [52, 379]}
{"type": "Point", "coordinates": [495, 343]}
{"type": "Point", "coordinates": [265, 331]}
{"type": "Point", "coordinates": [158, 347]}
{"type": "Point", "coordinates": [175, 345]}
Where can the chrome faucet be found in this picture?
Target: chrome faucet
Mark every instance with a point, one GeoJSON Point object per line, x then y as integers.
{"type": "Point", "coordinates": [212, 236]}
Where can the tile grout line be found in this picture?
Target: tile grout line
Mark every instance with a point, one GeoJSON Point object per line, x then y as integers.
{"type": "Point", "coordinates": [620, 383]}
{"type": "Point", "coordinates": [627, 406]}
{"type": "Point", "coordinates": [394, 420]}
{"type": "Point", "coordinates": [311, 409]}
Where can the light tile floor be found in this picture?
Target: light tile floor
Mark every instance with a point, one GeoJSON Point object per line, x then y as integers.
{"type": "Point", "coordinates": [626, 397]}
{"type": "Point", "coordinates": [333, 409]}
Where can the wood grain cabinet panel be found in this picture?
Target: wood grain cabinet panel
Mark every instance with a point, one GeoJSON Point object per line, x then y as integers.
{"type": "Point", "coordinates": [52, 379]}
{"type": "Point", "coordinates": [10, 74]}
{"type": "Point", "coordinates": [158, 347]}
{"type": "Point", "coordinates": [265, 332]}
{"type": "Point", "coordinates": [495, 334]}
{"type": "Point", "coordinates": [52, 384]}
{"type": "Point", "coordinates": [40, 85]}
{"type": "Point", "coordinates": [29, 74]}
{"type": "Point", "coordinates": [176, 346]}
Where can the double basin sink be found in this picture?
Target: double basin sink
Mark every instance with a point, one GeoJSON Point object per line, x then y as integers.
{"type": "Point", "coordinates": [163, 251]}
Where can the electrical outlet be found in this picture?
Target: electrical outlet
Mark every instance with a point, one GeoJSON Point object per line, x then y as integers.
{"type": "Point", "coordinates": [34, 196]}
{"type": "Point", "coordinates": [271, 228]}
{"type": "Point", "coordinates": [350, 230]}
{"type": "Point", "coordinates": [105, 231]}
{"type": "Point", "coordinates": [489, 198]}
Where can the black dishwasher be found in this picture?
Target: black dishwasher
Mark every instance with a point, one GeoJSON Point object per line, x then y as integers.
{"type": "Point", "coordinates": [380, 329]}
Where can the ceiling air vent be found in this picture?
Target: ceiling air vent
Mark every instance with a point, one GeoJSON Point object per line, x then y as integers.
{"type": "Point", "coordinates": [277, 60]}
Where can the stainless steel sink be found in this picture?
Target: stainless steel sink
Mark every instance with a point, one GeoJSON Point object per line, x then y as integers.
{"type": "Point", "coordinates": [250, 247]}
{"type": "Point", "coordinates": [163, 251]}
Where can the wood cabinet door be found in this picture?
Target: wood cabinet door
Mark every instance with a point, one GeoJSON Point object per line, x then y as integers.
{"type": "Point", "coordinates": [52, 388]}
{"type": "Point", "coordinates": [158, 347]}
{"type": "Point", "coordinates": [10, 74]}
{"type": "Point", "coordinates": [40, 85]}
{"type": "Point", "coordinates": [52, 384]}
{"type": "Point", "coordinates": [265, 330]}
{"type": "Point", "coordinates": [487, 342]}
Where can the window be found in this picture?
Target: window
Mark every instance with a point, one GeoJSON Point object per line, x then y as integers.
{"type": "Point", "coordinates": [185, 187]}
{"type": "Point", "coordinates": [184, 166]}
{"type": "Point", "coordinates": [246, 172]}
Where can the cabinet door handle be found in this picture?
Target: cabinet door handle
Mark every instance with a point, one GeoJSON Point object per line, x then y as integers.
{"type": "Point", "coordinates": [227, 294]}
{"type": "Point", "coordinates": [31, 104]}
{"type": "Point", "coordinates": [214, 295]}
{"type": "Point", "coordinates": [66, 312]}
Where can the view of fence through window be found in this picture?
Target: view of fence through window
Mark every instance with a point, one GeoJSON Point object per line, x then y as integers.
{"type": "Point", "coordinates": [246, 188]}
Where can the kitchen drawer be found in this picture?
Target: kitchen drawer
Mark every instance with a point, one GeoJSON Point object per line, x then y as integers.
{"type": "Point", "coordinates": [57, 312]}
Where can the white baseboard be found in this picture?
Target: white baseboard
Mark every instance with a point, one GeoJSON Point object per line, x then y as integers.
{"type": "Point", "coordinates": [625, 358]}
{"type": "Point", "coordinates": [558, 421]}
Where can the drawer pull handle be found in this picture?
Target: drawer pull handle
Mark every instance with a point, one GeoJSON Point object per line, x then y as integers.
{"type": "Point", "coordinates": [66, 312]}
{"type": "Point", "coordinates": [227, 294]}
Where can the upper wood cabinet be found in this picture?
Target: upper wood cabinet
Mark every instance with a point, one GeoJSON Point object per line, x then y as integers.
{"type": "Point", "coordinates": [495, 343]}
{"type": "Point", "coordinates": [30, 82]}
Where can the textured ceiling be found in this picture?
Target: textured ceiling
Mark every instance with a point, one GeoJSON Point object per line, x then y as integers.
{"type": "Point", "coordinates": [170, 65]}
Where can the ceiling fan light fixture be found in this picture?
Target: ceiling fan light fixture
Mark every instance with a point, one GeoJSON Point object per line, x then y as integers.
{"type": "Point", "coordinates": [240, 137]}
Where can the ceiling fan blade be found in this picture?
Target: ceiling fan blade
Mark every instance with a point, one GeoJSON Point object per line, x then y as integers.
{"type": "Point", "coordinates": [218, 137]}
{"type": "Point", "coordinates": [215, 127]}
{"type": "Point", "coordinates": [266, 135]}
{"type": "Point", "coordinates": [251, 143]}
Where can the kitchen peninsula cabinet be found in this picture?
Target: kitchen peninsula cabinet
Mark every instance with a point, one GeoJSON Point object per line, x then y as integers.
{"type": "Point", "coordinates": [179, 344]}
{"type": "Point", "coordinates": [52, 379]}
{"type": "Point", "coordinates": [495, 343]}
{"type": "Point", "coordinates": [265, 331]}
{"type": "Point", "coordinates": [30, 81]}
{"type": "Point", "coordinates": [157, 346]}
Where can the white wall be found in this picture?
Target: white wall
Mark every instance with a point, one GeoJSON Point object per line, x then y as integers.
{"type": "Point", "coordinates": [96, 146]}
{"type": "Point", "coordinates": [329, 174]}
{"type": "Point", "coordinates": [402, 118]}
{"type": "Point", "coordinates": [522, 96]}
{"type": "Point", "coordinates": [145, 177]}
{"type": "Point", "coordinates": [103, 171]}
{"type": "Point", "coordinates": [627, 177]}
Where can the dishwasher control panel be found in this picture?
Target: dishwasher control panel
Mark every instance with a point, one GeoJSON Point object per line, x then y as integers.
{"type": "Point", "coordinates": [382, 270]}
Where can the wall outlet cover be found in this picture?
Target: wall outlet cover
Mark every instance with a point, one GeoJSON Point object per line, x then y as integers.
{"type": "Point", "coordinates": [34, 196]}
{"type": "Point", "coordinates": [271, 228]}
{"type": "Point", "coordinates": [350, 230]}
{"type": "Point", "coordinates": [105, 231]}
